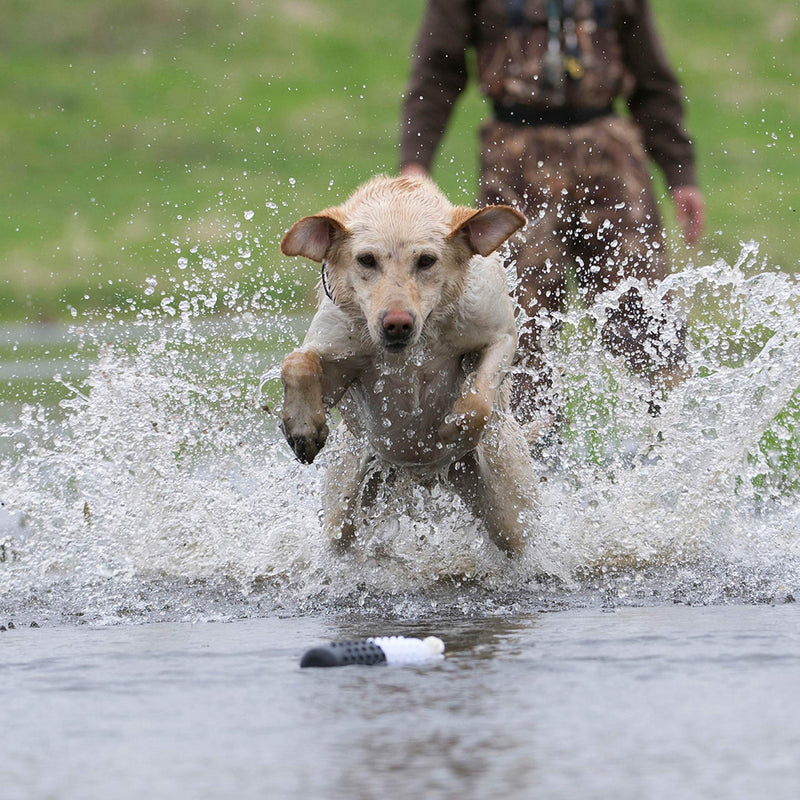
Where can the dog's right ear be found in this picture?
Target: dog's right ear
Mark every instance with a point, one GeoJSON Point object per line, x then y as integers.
{"type": "Point", "coordinates": [311, 237]}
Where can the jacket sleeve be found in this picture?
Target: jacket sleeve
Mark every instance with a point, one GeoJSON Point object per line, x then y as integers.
{"type": "Point", "coordinates": [656, 100]}
{"type": "Point", "coordinates": [438, 76]}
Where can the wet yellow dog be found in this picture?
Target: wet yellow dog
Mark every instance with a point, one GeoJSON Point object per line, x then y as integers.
{"type": "Point", "coordinates": [412, 339]}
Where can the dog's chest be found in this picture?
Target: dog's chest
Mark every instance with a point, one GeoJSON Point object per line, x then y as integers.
{"type": "Point", "coordinates": [400, 407]}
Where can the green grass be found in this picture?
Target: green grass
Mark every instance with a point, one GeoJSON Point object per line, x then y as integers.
{"type": "Point", "coordinates": [740, 64]}
{"type": "Point", "coordinates": [136, 134]}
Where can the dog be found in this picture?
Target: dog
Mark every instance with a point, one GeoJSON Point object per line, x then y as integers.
{"type": "Point", "coordinates": [412, 339]}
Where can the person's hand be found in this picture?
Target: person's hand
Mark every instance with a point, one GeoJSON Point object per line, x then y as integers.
{"type": "Point", "coordinates": [690, 211]}
{"type": "Point", "coordinates": [414, 171]}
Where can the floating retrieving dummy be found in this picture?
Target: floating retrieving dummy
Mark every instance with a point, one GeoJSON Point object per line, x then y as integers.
{"type": "Point", "coordinates": [375, 650]}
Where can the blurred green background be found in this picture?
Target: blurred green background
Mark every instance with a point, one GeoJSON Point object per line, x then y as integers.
{"type": "Point", "coordinates": [140, 138]}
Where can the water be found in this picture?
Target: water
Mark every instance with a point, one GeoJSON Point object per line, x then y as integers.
{"type": "Point", "coordinates": [156, 530]}
{"type": "Point", "coordinates": [667, 701]}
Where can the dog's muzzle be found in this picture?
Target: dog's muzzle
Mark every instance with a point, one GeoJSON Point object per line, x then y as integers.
{"type": "Point", "coordinates": [397, 328]}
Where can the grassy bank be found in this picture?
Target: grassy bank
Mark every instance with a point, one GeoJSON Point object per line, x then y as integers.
{"type": "Point", "coordinates": [154, 145]}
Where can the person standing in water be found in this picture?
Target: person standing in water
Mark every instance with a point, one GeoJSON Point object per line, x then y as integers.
{"type": "Point", "coordinates": [555, 148]}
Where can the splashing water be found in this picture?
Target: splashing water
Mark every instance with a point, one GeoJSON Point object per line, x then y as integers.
{"type": "Point", "coordinates": [162, 489]}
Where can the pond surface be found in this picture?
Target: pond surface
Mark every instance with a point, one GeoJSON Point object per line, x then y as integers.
{"type": "Point", "coordinates": [661, 702]}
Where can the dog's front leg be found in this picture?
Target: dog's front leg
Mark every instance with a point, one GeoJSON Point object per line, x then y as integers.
{"type": "Point", "coordinates": [311, 386]}
{"type": "Point", "coordinates": [473, 410]}
{"type": "Point", "coordinates": [507, 487]}
{"type": "Point", "coordinates": [497, 480]}
{"type": "Point", "coordinates": [303, 421]}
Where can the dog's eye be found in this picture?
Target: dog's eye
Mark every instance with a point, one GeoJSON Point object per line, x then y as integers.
{"type": "Point", "coordinates": [367, 260]}
{"type": "Point", "coordinates": [426, 261]}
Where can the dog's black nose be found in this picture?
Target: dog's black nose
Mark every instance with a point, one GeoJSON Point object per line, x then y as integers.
{"type": "Point", "coordinates": [397, 327]}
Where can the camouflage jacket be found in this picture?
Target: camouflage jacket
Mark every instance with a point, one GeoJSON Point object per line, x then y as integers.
{"type": "Point", "coordinates": [619, 57]}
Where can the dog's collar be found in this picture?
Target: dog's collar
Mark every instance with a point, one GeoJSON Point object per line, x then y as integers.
{"type": "Point", "coordinates": [324, 276]}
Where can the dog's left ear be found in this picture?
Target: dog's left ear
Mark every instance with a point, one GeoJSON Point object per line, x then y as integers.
{"type": "Point", "coordinates": [487, 228]}
{"type": "Point", "coordinates": [311, 237]}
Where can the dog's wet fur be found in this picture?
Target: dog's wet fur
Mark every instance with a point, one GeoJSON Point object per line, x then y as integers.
{"type": "Point", "coordinates": [412, 341]}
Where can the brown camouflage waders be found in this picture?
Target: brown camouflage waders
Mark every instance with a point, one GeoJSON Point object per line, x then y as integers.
{"type": "Point", "coordinates": [587, 194]}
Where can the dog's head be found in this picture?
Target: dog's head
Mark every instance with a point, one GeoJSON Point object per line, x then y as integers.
{"type": "Point", "coordinates": [397, 251]}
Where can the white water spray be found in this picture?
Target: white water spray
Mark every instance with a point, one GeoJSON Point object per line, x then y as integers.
{"type": "Point", "coordinates": [162, 489]}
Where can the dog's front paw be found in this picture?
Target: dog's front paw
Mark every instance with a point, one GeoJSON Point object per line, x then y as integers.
{"type": "Point", "coordinates": [305, 437]}
{"type": "Point", "coordinates": [465, 424]}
